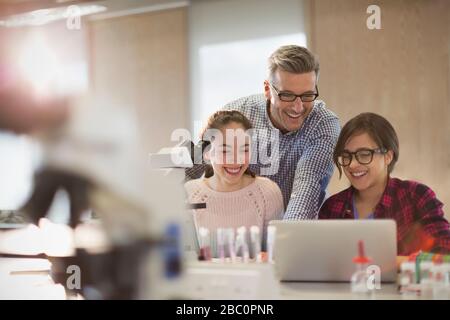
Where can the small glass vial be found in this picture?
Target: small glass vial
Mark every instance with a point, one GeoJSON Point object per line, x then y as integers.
{"type": "Point", "coordinates": [220, 233]}
{"type": "Point", "coordinates": [255, 241]}
{"type": "Point", "coordinates": [242, 244]}
{"type": "Point", "coordinates": [447, 279]}
{"type": "Point", "coordinates": [230, 245]}
{"type": "Point", "coordinates": [271, 234]}
{"type": "Point", "coordinates": [360, 279]}
{"type": "Point", "coordinates": [426, 280]}
{"type": "Point", "coordinates": [440, 283]}
{"type": "Point", "coordinates": [205, 245]}
{"type": "Point", "coordinates": [407, 278]}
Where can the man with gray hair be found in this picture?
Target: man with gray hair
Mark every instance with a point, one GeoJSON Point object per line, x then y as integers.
{"type": "Point", "coordinates": [296, 134]}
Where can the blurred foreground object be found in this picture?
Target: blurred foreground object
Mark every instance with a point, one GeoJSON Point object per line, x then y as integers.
{"type": "Point", "coordinates": [92, 151]}
{"type": "Point", "coordinates": [20, 112]}
{"type": "Point", "coordinates": [103, 169]}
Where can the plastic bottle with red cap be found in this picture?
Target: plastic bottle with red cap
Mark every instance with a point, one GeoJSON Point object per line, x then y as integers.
{"type": "Point", "coordinates": [360, 278]}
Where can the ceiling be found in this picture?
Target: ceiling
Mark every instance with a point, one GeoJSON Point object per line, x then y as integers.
{"type": "Point", "coordinates": [114, 7]}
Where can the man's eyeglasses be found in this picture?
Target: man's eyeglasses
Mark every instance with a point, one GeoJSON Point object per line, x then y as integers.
{"type": "Point", "coordinates": [363, 156]}
{"type": "Point", "coordinates": [290, 97]}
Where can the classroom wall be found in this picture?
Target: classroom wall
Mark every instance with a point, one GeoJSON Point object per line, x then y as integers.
{"type": "Point", "coordinates": [229, 43]}
{"type": "Point", "coordinates": [401, 71]}
{"type": "Point", "coordinates": [140, 61]}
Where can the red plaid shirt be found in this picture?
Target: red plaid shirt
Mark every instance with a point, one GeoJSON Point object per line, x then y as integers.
{"type": "Point", "coordinates": [420, 220]}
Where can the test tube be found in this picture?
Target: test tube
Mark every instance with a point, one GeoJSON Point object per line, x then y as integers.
{"type": "Point", "coordinates": [241, 243]}
{"type": "Point", "coordinates": [221, 244]}
{"type": "Point", "coordinates": [255, 241]}
{"type": "Point", "coordinates": [271, 230]}
{"type": "Point", "coordinates": [231, 244]}
{"type": "Point", "coordinates": [205, 246]}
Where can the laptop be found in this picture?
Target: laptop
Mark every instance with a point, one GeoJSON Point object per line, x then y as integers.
{"type": "Point", "coordinates": [322, 250]}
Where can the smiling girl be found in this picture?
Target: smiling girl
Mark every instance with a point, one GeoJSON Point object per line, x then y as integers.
{"type": "Point", "coordinates": [367, 150]}
{"type": "Point", "coordinates": [234, 196]}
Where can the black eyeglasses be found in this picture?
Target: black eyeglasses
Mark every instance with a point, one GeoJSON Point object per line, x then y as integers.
{"type": "Point", "coordinates": [363, 156]}
{"type": "Point", "coordinates": [290, 97]}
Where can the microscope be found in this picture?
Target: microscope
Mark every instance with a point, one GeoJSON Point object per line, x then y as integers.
{"type": "Point", "coordinates": [139, 208]}
{"type": "Point", "coordinates": [133, 247]}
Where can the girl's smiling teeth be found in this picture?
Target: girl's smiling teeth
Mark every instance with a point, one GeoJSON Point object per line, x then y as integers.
{"type": "Point", "coordinates": [358, 174]}
{"type": "Point", "coordinates": [232, 170]}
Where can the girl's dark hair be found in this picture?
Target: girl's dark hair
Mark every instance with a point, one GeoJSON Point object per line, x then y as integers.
{"type": "Point", "coordinates": [377, 127]}
{"type": "Point", "coordinates": [220, 119]}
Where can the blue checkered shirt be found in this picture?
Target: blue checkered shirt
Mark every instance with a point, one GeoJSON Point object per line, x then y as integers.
{"type": "Point", "coordinates": [300, 162]}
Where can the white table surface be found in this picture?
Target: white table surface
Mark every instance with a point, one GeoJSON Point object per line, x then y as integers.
{"type": "Point", "coordinates": [38, 284]}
